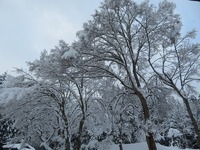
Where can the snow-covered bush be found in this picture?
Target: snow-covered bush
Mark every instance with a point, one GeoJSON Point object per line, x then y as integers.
{"type": "Point", "coordinates": [102, 145]}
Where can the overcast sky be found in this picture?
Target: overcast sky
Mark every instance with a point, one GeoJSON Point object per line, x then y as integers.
{"type": "Point", "coordinates": [29, 26]}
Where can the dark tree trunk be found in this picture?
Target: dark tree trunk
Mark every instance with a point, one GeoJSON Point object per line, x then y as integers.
{"type": "Point", "coordinates": [150, 142]}
{"type": "Point", "coordinates": [189, 111]}
{"type": "Point", "coordinates": [149, 137]}
{"type": "Point", "coordinates": [80, 133]}
{"type": "Point", "coordinates": [67, 142]}
{"type": "Point", "coordinates": [120, 146]}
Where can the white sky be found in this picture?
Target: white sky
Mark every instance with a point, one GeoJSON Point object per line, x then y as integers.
{"type": "Point", "coordinates": [29, 26]}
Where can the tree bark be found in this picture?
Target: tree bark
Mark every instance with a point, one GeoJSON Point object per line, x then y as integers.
{"type": "Point", "coordinates": [149, 136]}
{"type": "Point", "coordinates": [150, 141]}
{"type": "Point", "coordinates": [120, 146]}
{"type": "Point", "coordinates": [80, 133]}
{"type": "Point", "coordinates": [189, 111]}
{"type": "Point", "coordinates": [67, 143]}
{"type": "Point", "coordinates": [67, 140]}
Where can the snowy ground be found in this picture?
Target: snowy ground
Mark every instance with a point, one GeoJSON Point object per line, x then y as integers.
{"type": "Point", "coordinates": [108, 146]}
{"type": "Point", "coordinates": [19, 146]}
{"type": "Point", "coordinates": [143, 146]}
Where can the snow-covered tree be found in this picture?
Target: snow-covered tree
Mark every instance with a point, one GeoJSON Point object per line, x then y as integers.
{"type": "Point", "coordinates": [177, 64]}
{"type": "Point", "coordinates": [65, 83]}
{"type": "Point", "coordinates": [115, 44]}
{"type": "Point", "coordinates": [2, 78]}
{"type": "Point", "coordinates": [115, 84]}
{"type": "Point", "coordinates": [32, 117]}
{"type": "Point", "coordinates": [195, 105]}
{"type": "Point", "coordinates": [123, 110]}
{"type": "Point", "coordinates": [7, 131]}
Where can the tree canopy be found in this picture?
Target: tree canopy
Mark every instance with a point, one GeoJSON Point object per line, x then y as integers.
{"type": "Point", "coordinates": [130, 77]}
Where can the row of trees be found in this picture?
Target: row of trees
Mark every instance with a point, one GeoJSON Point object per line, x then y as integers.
{"type": "Point", "coordinates": [130, 75]}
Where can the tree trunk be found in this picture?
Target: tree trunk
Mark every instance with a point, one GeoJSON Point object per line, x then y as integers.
{"type": "Point", "coordinates": [65, 119]}
{"type": "Point", "coordinates": [194, 122]}
{"type": "Point", "coordinates": [120, 146]}
{"type": "Point", "coordinates": [149, 136]}
{"type": "Point", "coordinates": [150, 141]}
{"type": "Point", "coordinates": [80, 130]}
{"type": "Point", "coordinates": [67, 141]}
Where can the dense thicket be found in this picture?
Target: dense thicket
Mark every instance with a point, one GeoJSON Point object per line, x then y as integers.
{"type": "Point", "coordinates": [7, 130]}
{"type": "Point", "coordinates": [128, 78]}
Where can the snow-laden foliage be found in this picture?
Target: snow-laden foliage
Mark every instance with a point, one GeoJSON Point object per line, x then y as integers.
{"type": "Point", "coordinates": [7, 131]}
{"type": "Point", "coordinates": [117, 40]}
{"type": "Point", "coordinates": [122, 81]}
